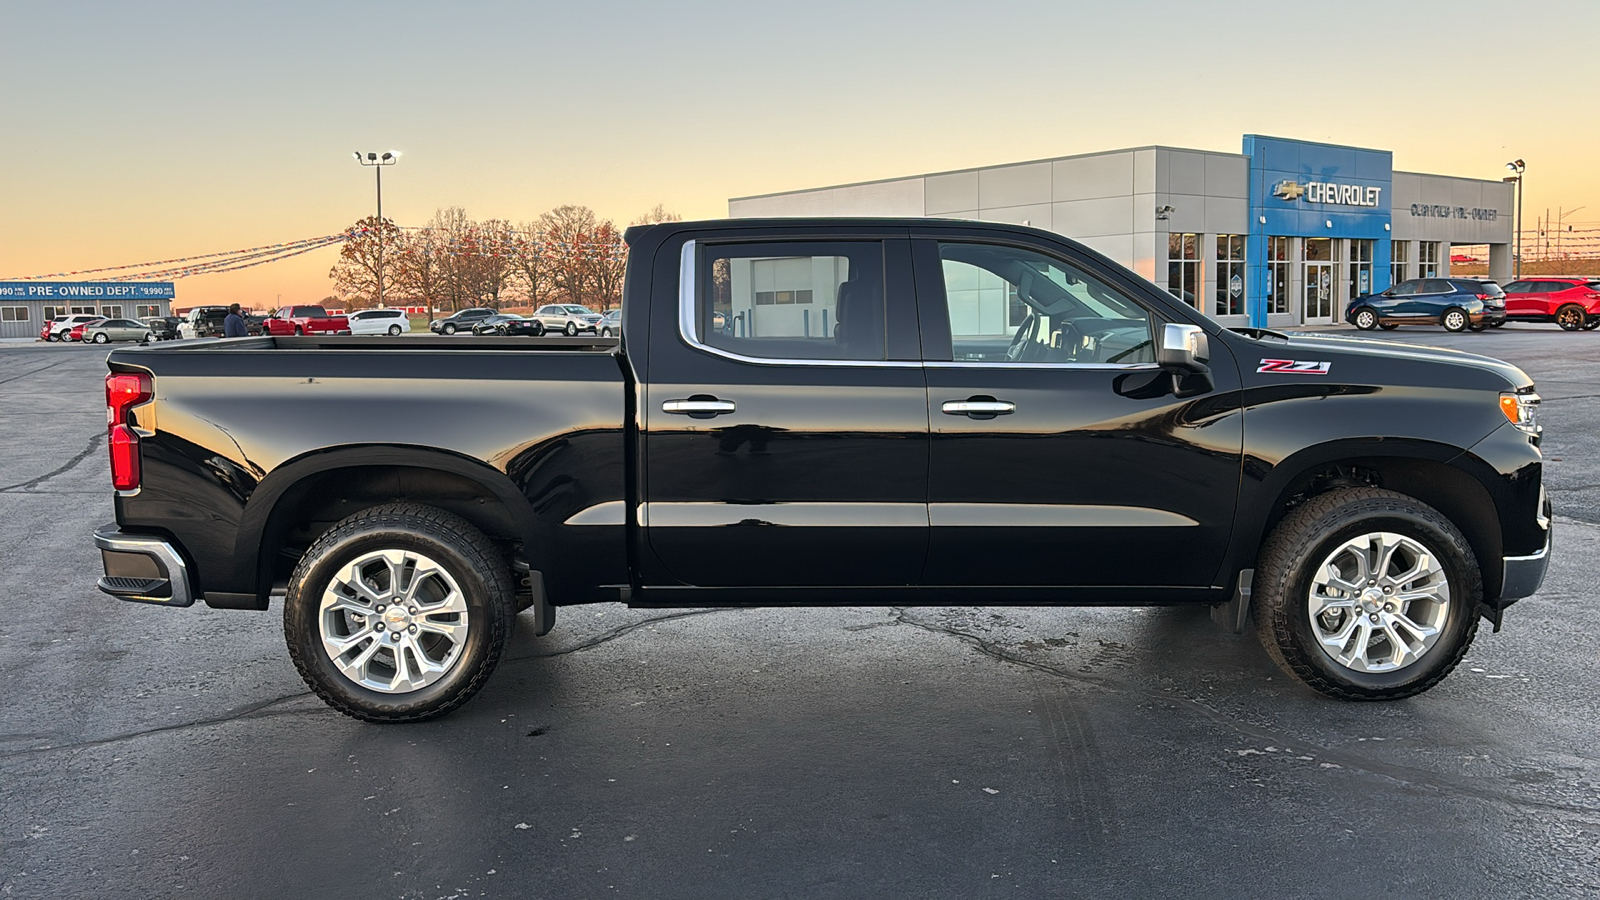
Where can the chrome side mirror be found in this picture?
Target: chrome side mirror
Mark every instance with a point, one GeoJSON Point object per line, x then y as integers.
{"type": "Point", "coordinates": [1183, 351]}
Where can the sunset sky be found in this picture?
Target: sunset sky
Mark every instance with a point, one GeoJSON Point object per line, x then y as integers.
{"type": "Point", "coordinates": [145, 131]}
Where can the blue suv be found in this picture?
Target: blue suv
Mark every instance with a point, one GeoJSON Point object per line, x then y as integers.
{"type": "Point", "coordinates": [1458, 304]}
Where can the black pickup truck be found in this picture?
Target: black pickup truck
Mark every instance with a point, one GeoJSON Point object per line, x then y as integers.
{"type": "Point", "coordinates": [822, 413]}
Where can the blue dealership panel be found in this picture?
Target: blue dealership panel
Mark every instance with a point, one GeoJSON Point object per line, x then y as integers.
{"type": "Point", "coordinates": [86, 291]}
{"type": "Point", "coordinates": [1303, 189]}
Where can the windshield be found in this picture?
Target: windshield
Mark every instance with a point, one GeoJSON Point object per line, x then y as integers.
{"type": "Point", "coordinates": [578, 311]}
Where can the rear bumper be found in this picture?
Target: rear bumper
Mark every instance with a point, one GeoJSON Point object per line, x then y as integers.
{"type": "Point", "coordinates": [142, 568]}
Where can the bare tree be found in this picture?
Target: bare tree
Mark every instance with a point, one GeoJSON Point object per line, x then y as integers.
{"type": "Point", "coordinates": [530, 262]}
{"type": "Point", "coordinates": [566, 231]}
{"type": "Point", "coordinates": [418, 267]}
{"type": "Point", "coordinates": [606, 259]}
{"type": "Point", "coordinates": [657, 214]}
{"type": "Point", "coordinates": [355, 273]}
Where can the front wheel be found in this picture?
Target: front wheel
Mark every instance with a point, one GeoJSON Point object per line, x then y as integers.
{"type": "Point", "coordinates": [572, 329]}
{"type": "Point", "coordinates": [398, 613]}
{"type": "Point", "coordinates": [1570, 318]}
{"type": "Point", "coordinates": [1454, 320]}
{"type": "Point", "coordinates": [605, 332]}
{"type": "Point", "coordinates": [449, 329]}
{"type": "Point", "coordinates": [1367, 594]}
{"type": "Point", "coordinates": [1366, 319]}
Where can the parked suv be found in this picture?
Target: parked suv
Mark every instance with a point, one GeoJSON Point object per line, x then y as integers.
{"type": "Point", "coordinates": [461, 320]}
{"type": "Point", "coordinates": [568, 318]}
{"type": "Point", "coordinates": [61, 326]}
{"type": "Point", "coordinates": [1457, 304]}
{"type": "Point", "coordinates": [1572, 303]}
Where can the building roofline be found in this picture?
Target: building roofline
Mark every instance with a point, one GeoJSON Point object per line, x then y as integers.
{"type": "Point", "coordinates": [1025, 162]}
{"type": "Point", "coordinates": [1451, 177]}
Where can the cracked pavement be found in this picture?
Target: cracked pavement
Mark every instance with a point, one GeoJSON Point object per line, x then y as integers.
{"type": "Point", "coordinates": [860, 752]}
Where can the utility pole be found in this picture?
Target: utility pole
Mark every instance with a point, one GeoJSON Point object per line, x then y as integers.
{"type": "Point", "coordinates": [1518, 166]}
{"type": "Point", "coordinates": [377, 163]}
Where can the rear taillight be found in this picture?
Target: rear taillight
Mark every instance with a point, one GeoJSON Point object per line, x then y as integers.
{"type": "Point", "coordinates": [124, 391]}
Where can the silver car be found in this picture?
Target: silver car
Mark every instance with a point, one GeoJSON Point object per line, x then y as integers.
{"type": "Point", "coordinates": [568, 319]}
{"type": "Point", "coordinates": [118, 330]}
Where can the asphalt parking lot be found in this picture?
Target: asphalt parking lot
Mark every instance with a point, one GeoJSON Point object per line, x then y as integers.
{"type": "Point", "coordinates": [867, 752]}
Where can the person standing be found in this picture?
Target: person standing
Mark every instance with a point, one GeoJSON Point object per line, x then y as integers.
{"type": "Point", "coordinates": [233, 325]}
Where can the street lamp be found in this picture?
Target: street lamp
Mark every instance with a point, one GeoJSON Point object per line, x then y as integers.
{"type": "Point", "coordinates": [1518, 166]}
{"type": "Point", "coordinates": [377, 163]}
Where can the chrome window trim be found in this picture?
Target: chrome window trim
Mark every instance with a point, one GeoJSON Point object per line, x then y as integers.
{"type": "Point", "coordinates": [688, 330]}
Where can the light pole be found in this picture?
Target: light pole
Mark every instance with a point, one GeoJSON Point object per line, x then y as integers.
{"type": "Point", "coordinates": [1518, 166]}
{"type": "Point", "coordinates": [377, 163]}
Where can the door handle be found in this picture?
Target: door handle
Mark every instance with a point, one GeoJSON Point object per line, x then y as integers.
{"type": "Point", "coordinates": [978, 408]}
{"type": "Point", "coordinates": [698, 407]}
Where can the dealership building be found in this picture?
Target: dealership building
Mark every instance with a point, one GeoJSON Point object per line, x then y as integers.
{"type": "Point", "coordinates": [1286, 232]}
{"type": "Point", "coordinates": [26, 305]}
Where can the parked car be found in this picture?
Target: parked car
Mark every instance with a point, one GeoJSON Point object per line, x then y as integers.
{"type": "Point", "coordinates": [202, 322]}
{"type": "Point", "coordinates": [165, 328]}
{"type": "Point", "coordinates": [611, 323]}
{"type": "Point", "coordinates": [304, 320]}
{"type": "Point", "coordinates": [568, 318]}
{"type": "Point", "coordinates": [508, 324]}
{"type": "Point", "coordinates": [76, 332]}
{"type": "Point", "coordinates": [461, 320]}
{"type": "Point", "coordinates": [1457, 304]}
{"type": "Point", "coordinates": [379, 321]}
{"type": "Point", "coordinates": [1369, 504]}
{"type": "Point", "coordinates": [61, 326]}
{"type": "Point", "coordinates": [1572, 303]}
{"type": "Point", "coordinates": [107, 330]}
{"type": "Point", "coordinates": [47, 332]}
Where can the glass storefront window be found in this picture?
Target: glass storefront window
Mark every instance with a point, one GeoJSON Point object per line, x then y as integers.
{"type": "Point", "coordinates": [1277, 274]}
{"type": "Point", "coordinates": [1360, 269]}
{"type": "Point", "coordinates": [1183, 267]}
{"type": "Point", "coordinates": [1230, 275]}
{"type": "Point", "coordinates": [145, 312]}
{"type": "Point", "coordinates": [1427, 259]}
{"type": "Point", "coordinates": [1398, 261]}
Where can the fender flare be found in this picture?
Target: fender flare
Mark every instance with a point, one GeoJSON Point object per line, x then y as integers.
{"type": "Point", "coordinates": [263, 501]}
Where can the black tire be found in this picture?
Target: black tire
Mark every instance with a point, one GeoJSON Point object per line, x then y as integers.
{"type": "Point", "coordinates": [1591, 322]}
{"type": "Point", "coordinates": [102, 338]}
{"type": "Point", "coordinates": [53, 338]}
{"type": "Point", "coordinates": [572, 329]}
{"type": "Point", "coordinates": [605, 332]}
{"type": "Point", "coordinates": [1389, 326]}
{"type": "Point", "coordinates": [478, 568]}
{"type": "Point", "coordinates": [538, 329]}
{"type": "Point", "coordinates": [1477, 328]}
{"type": "Point", "coordinates": [449, 328]}
{"type": "Point", "coordinates": [146, 339]}
{"type": "Point", "coordinates": [1571, 317]}
{"type": "Point", "coordinates": [394, 330]}
{"type": "Point", "coordinates": [1502, 324]}
{"type": "Point", "coordinates": [1365, 318]}
{"type": "Point", "coordinates": [1294, 553]}
{"type": "Point", "coordinates": [298, 331]}
{"type": "Point", "coordinates": [1454, 320]}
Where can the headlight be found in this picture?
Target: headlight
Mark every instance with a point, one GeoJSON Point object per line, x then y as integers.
{"type": "Point", "coordinates": [1521, 410]}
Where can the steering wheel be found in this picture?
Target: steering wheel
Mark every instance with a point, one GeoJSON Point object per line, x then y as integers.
{"type": "Point", "coordinates": [1020, 340]}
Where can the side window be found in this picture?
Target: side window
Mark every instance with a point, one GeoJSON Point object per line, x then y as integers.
{"type": "Point", "coordinates": [1008, 304]}
{"type": "Point", "coordinates": [1406, 288]}
{"type": "Point", "coordinates": [793, 300]}
{"type": "Point", "coordinates": [1517, 287]}
{"type": "Point", "coordinates": [1435, 286]}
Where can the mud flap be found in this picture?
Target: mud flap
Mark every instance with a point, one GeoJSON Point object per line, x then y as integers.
{"type": "Point", "coordinates": [1235, 614]}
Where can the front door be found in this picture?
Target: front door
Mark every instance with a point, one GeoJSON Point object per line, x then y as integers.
{"type": "Point", "coordinates": [1059, 456]}
{"type": "Point", "coordinates": [1318, 306]}
{"type": "Point", "coordinates": [786, 422]}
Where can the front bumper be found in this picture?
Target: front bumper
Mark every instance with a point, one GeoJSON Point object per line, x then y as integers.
{"type": "Point", "coordinates": [142, 568]}
{"type": "Point", "coordinates": [1524, 574]}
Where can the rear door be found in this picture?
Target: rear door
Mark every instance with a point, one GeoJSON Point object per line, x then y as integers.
{"type": "Point", "coordinates": [785, 413]}
{"type": "Point", "coordinates": [1059, 455]}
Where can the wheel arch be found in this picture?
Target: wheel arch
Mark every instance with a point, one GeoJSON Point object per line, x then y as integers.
{"type": "Point", "coordinates": [324, 486]}
{"type": "Point", "coordinates": [1438, 474]}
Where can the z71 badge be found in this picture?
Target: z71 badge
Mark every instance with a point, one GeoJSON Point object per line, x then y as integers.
{"type": "Point", "coordinates": [1294, 367]}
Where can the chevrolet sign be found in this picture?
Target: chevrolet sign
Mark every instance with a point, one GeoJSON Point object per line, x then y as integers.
{"type": "Point", "coordinates": [1327, 192]}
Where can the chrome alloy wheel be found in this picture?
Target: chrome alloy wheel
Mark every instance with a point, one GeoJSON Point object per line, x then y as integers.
{"type": "Point", "coordinates": [1378, 602]}
{"type": "Point", "coordinates": [393, 621]}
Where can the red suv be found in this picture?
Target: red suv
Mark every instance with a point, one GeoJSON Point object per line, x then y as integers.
{"type": "Point", "coordinates": [1572, 303]}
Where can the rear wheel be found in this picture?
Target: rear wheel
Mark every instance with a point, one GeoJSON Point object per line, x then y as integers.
{"type": "Point", "coordinates": [102, 338]}
{"type": "Point", "coordinates": [1454, 320]}
{"type": "Point", "coordinates": [538, 329]}
{"type": "Point", "coordinates": [398, 613]}
{"type": "Point", "coordinates": [394, 330]}
{"type": "Point", "coordinates": [299, 331]}
{"type": "Point", "coordinates": [1571, 317]}
{"type": "Point", "coordinates": [1591, 322]}
{"type": "Point", "coordinates": [1366, 594]}
{"type": "Point", "coordinates": [1366, 319]}
{"type": "Point", "coordinates": [52, 337]}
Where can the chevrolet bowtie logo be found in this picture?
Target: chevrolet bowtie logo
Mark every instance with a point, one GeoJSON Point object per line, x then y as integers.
{"type": "Point", "coordinates": [1289, 190]}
